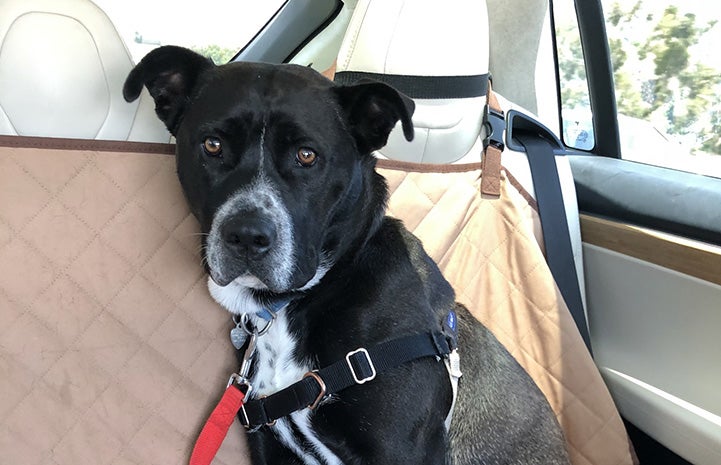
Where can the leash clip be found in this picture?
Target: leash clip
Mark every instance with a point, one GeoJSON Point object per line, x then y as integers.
{"type": "Point", "coordinates": [241, 377]}
{"type": "Point", "coordinates": [248, 356]}
{"type": "Point", "coordinates": [242, 382]}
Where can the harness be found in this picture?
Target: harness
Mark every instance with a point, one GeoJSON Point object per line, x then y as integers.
{"type": "Point", "coordinates": [357, 367]}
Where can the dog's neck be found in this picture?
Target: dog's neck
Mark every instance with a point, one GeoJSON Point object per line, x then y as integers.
{"type": "Point", "coordinates": [361, 213]}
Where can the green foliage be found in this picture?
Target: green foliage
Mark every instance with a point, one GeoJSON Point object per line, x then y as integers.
{"type": "Point", "coordinates": [712, 141]}
{"type": "Point", "coordinates": [574, 90]}
{"type": "Point", "coordinates": [218, 54]}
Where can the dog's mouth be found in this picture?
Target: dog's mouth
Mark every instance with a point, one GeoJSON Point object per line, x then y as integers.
{"type": "Point", "coordinates": [257, 283]}
{"type": "Point", "coordinates": [246, 280]}
{"type": "Point", "coordinates": [275, 269]}
{"type": "Point", "coordinates": [227, 269]}
{"type": "Point", "coordinates": [248, 294]}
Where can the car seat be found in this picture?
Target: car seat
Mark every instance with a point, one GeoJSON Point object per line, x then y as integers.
{"type": "Point", "coordinates": [62, 67]}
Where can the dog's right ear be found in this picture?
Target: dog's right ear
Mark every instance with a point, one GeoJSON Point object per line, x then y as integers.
{"type": "Point", "coordinates": [170, 73]}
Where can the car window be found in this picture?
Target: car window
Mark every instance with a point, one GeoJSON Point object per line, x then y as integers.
{"type": "Point", "coordinates": [667, 75]}
{"type": "Point", "coordinates": [215, 28]}
{"type": "Point", "coordinates": [575, 103]}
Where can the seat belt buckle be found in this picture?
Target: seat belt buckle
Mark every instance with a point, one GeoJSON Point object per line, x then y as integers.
{"type": "Point", "coordinates": [495, 123]}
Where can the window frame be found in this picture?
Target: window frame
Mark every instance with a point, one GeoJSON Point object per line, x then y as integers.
{"type": "Point", "coordinates": [293, 25]}
{"type": "Point", "coordinates": [599, 77]}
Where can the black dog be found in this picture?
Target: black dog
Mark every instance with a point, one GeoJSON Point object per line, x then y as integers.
{"type": "Point", "coordinates": [275, 162]}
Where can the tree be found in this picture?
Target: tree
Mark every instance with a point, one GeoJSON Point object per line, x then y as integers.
{"type": "Point", "coordinates": [712, 142]}
{"type": "Point", "coordinates": [218, 54]}
{"type": "Point", "coordinates": [574, 89]}
{"type": "Point", "coordinates": [655, 73]}
{"type": "Point", "coordinates": [678, 80]}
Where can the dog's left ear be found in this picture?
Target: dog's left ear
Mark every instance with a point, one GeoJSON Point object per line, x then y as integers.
{"type": "Point", "coordinates": [170, 73]}
{"type": "Point", "coordinates": [372, 109]}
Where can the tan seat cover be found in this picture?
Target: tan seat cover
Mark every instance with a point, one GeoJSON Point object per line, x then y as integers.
{"type": "Point", "coordinates": [112, 352]}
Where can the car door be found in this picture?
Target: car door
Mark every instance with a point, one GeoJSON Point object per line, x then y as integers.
{"type": "Point", "coordinates": [647, 165]}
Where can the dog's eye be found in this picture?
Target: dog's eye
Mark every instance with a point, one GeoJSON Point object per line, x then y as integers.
{"type": "Point", "coordinates": [306, 157]}
{"type": "Point", "coordinates": [212, 146]}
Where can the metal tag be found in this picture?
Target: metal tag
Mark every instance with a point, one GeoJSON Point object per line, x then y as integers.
{"type": "Point", "coordinates": [238, 336]}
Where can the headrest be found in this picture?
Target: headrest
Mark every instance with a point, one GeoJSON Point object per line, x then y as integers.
{"type": "Point", "coordinates": [62, 65]}
{"type": "Point", "coordinates": [437, 53]}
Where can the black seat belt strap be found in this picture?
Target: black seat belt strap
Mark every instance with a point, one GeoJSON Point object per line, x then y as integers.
{"type": "Point", "coordinates": [551, 210]}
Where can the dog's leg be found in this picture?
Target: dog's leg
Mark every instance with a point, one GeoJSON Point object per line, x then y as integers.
{"type": "Point", "coordinates": [265, 449]}
{"type": "Point", "coordinates": [499, 406]}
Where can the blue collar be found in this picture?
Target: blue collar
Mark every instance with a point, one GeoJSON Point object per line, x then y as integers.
{"type": "Point", "coordinates": [269, 311]}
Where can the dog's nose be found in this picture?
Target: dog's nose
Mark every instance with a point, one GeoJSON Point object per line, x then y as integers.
{"type": "Point", "coordinates": [248, 234]}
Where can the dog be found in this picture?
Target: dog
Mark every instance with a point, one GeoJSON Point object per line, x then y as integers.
{"type": "Point", "coordinates": [276, 163]}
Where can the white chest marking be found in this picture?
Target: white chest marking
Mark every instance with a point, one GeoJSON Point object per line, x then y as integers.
{"type": "Point", "coordinates": [302, 421]}
{"type": "Point", "coordinates": [276, 369]}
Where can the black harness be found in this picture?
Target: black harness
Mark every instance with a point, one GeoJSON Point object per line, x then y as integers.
{"type": "Point", "coordinates": [357, 367]}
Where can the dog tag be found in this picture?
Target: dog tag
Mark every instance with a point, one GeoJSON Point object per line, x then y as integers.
{"type": "Point", "coordinates": [238, 336]}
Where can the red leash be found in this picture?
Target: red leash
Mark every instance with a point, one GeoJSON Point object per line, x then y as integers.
{"type": "Point", "coordinates": [219, 421]}
{"type": "Point", "coordinates": [217, 426]}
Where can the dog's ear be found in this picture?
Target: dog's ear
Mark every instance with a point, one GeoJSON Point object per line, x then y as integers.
{"type": "Point", "coordinates": [170, 73]}
{"type": "Point", "coordinates": [372, 109]}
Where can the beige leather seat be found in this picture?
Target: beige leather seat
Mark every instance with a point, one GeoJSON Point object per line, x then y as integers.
{"type": "Point", "coordinates": [391, 38]}
{"type": "Point", "coordinates": [62, 68]}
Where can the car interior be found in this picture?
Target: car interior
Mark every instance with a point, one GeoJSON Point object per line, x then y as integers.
{"type": "Point", "coordinates": [111, 350]}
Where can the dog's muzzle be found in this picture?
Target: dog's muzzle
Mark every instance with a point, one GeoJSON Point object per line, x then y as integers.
{"type": "Point", "coordinates": [251, 237]}
{"type": "Point", "coordinates": [248, 237]}
{"type": "Point", "coordinates": [242, 248]}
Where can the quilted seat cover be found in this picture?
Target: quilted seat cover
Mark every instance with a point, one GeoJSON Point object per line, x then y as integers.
{"type": "Point", "coordinates": [112, 352]}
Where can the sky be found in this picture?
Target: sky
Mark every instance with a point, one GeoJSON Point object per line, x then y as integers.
{"type": "Point", "coordinates": [228, 23]}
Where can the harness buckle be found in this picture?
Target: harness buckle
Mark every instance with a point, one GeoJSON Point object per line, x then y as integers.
{"type": "Point", "coordinates": [314, 374]}
{"type": "Point", "coordinates": [454, 364]}
{"type": "Point", "coordinates": [368, 361]}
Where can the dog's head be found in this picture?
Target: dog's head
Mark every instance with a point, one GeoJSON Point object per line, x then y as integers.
{"type": "Point", "coordinates": [274, 161]}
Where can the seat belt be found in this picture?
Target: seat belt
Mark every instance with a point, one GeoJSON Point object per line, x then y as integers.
{"type": "Point", "coordinates": [525, 134]}
{"type": "Point", "coordinates": [556, 238]}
